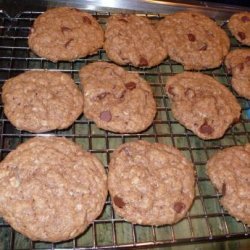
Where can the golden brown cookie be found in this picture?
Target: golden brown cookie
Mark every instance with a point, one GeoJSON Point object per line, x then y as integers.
{"type": "Point", "coordinates": [65, 34]}
{"type": "Point", "coordinates": [238, 63]}
{"type": "Point", "coordinates": [150, 183]}
{"type": "Point", "coordinates": [239, 25]}
{"type": "Point", "coordinates": [194, 40]}
{"type": "Point", "coordinates": [202, 104]}
{"type": "Point", "coordinates": [39, 101]}
{"type": "Point", "coordinates": [131, 39]}
{"type": "Point", "coordinates": [51, 189]}
{"type": "Point", "coordinates": [229, 171]}
{"type": "Point", "coordinates": [115, 99]}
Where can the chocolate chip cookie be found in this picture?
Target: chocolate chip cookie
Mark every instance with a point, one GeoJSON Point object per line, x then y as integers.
{"type": "Point", "coordinates": [202, 104]}
{"type": "Point", "coordinates": [131, 39]}
{"type": "Point", "coordinates": [229, 171]}
{"type": "Point", "coordinates": [51, 189]}
{"type": "Point", "coordinates": [239, 25]}
{"type": "Point", "coordinates": [238, 63]}
{"type": "Point", "coordinates": [65, 34]}
{"type": "Point", "coordinates": [39, 101]}
{"type": "Point", "coordinates": [115, 99]}
{"type": "Point", "coordinates": [150, 183]}
{"type": "Point", "coordinates": [194, 40]}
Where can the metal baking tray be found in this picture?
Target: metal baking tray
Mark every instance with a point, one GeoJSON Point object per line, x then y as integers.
{"type": "Point", "coordinates": [206, 221]}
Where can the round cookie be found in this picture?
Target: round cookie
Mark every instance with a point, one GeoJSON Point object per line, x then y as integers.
{"type": "Point", "coordinates": [39, 101]}
{"type": "Point", "coordinates": [115, 99]}
{"type": "Point", "coordinates": [202, 104]}
{"type": "Point", "coordinates": [239, 25]}
{"type": "Point", "coordinates": [229, 171]}
{"type": "Point", "coordinates": [150, 183]}
{"type": "Point", "coordinates": [238, 63]}
{"type": "Point", "coordinates": [131, 39]}
{"type": "Point", "coordinates": [194, 40]}
{"type": "Point", "coordinates": [65, 34]}
{"type": "Point", "coordinates": [51, 189]}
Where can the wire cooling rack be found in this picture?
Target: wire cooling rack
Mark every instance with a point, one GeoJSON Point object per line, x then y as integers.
{"type": "Point", "coordinates": [207, 221]}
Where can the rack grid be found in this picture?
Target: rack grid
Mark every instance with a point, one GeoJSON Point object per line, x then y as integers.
{"type": "Point", "coordinates": [207, 221]}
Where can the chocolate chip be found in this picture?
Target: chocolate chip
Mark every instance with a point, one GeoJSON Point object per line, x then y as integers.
{"type": "Point", "coordinates": [247, 60]}
{"type": "Point", "coordinates": [65, 29]}
{"type": "Point", "coordinates": [86, 20]}
{"type": "Point", "coordinates": [224, 188]}
{"type": "Point", "coordinates": [119, 202]}
{"type": "Point", "coordinates": [130, 85]}
{"type": "Point", "coordinates": [206, 129]}
{"type": "Point", "coordinates": [105, 116]}
{"type": "Point", "coordinates": [68, 42]}
{"type": "Point", "coordinates": [191, 37]}
{"type": "Point", "coordinates": [240, 66]}
{"type": "Point", "coordinates": [245, 19]}
{"type": "Point", "coordinates": [203, 47]}
{"type": "Point", "coordinates": [179, 206]}
{"type": "Point", "coordinates": [171, 90]}
{"type": "Point", "coordinates": [236, 120]}
{"type": "Point", "coordinates": [143, 62]}
{"type": "Point", "coordinates": [242, 35]}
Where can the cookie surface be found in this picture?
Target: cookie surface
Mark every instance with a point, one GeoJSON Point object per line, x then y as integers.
{"type": "Point", "coordinates": [51, 189]}
{"type": "Point", "coordinates": [65, 34]}
{"type": "Point", "coordinates": [229, 171]}
{"type": "Point", "coordinates": [194, 40]}
{"type": "Point", "coordinates": [131, 39]}
{"type": "Point", "coordinates": [150, 183]}
{"type": "Point", "coordinates": [238, 63]}
{"type": "Point", "coordinates": [115, 99]}
{"type": "Point", "coordinates": [239, 25]}
{"type": "Point", "coordinates": [39, 101]}
{"type": "Point", "coordinates": [202, 104]}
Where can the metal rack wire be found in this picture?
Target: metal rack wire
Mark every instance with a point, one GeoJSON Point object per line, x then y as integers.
{"type": "Point", "coordinates": [206, 221]}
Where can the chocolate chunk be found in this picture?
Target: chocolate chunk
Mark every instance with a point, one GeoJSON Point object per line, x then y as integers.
{"type": "Point", "coordinates": [242, 35]}
{"type": "Point", "coordinates": [179, 206]}
{"type": "Point", "coordinates": [224, 188]}
{"type": "Point", "coordinates": [105, 116]}
{"type": "Point", "coordinates": [65, 29]}
{"type": "Point", "coordinates": [206, 129]}
{"type": "Point", "coordinates": [86, 20]}
{"type": "Point", "coordinates": [203, 47]}
{"type": "Point", "coordinates": [191, 37]}
{"type": "Point", "coordinates": [119, 202]}
{"type": "Point", "coordinates": [240, 66]}
{"type": "Point", "coordinates": [236, 120]}
{"type": "Point", "coordinates": [68, 42]}
{"type": "Point", "coordinates": [130, 85]}
{"type": "Point", "coordinates": [245, 19]}
{"type": "Point", "coordinates": [143, 62]}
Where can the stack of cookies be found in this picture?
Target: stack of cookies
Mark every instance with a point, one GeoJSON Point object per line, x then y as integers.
{"type": "Point", "coordinates": [51, 189]}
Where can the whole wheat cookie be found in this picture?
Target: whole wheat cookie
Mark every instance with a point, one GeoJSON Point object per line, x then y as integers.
{"type": "Point", "coordinates": [150, 183]}
{"type": "Point", "coordinates": [239, 25]}
{"type": "Point", "coordinates": [65, 34]}
{"type": "Point", "coordinates": [115, 99]}
{"type": "Point", "coordinates": [51, 189]}
{"type": "Point", "coordinates": [202, 104]}
{"type": "Point", "coordinates": [39, 101]}
{"type": "Point", "coordinates": [238, 63]}
{"type": "Point", "coordinates": [194, 40]}
{"type": "Point", "coordinates": [131, 39]}
{"type": "Point", "coordinates": [229, 171]}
